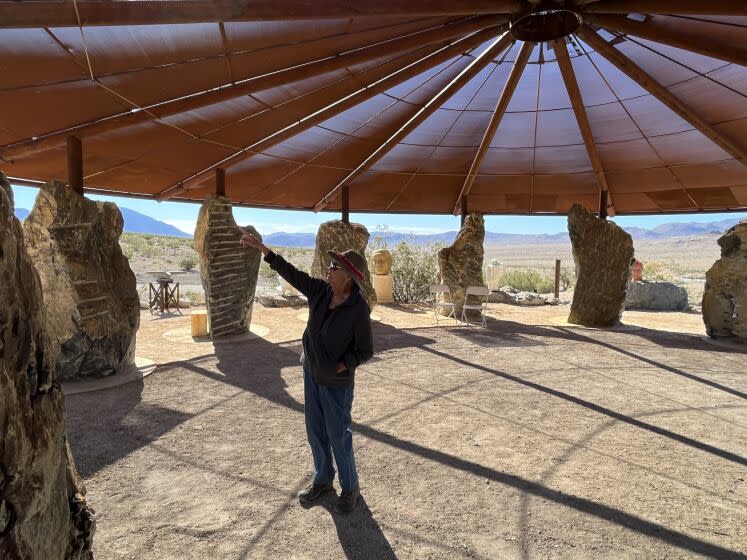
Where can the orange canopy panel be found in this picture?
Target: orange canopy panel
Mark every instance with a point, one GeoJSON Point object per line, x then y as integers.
{"type": "Point", "coordinates": [514, 106]}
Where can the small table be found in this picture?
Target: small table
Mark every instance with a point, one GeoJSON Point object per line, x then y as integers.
{"type": "Point", "coordinates": [163, 295]}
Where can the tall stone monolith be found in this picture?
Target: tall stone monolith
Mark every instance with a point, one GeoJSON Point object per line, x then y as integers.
{"type": "Point", "coordinates": [725, 296]}
{"type": "Point", "coordinates": [93, 310]}
{"type": "Point", "coordinates": [228, 270]}
{"type": "Point", "coordinates": [460, 264]}
{"type": "Point", "coordinates": [339, 236]}
{"type": "Point", "coordinates": [43, 511]}
{"type": "Point", "coordinates": [603, 253]}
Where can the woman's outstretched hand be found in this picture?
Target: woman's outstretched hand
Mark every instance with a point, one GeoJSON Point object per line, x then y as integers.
{"type": "Point", "coordinates": [248, 240]}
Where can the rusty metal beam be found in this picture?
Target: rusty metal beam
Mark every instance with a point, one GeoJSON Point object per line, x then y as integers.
{"type": "Point", "coordinates": [699, 37]}
{"type": "Point", "coordinates": [363, 93]}
{"type": "Point", "coordinates": [574, 93]}
{"type": "Point", "coordinates": [54, 13]}
{"type": "Point", "coordinates": [166, 108]}
{"type": "Point", "coordinates": [603, 204]}
{"type": "Point", "coordinates": [495, 120]}
{"type": "Point", "coordinates": [637, 74]}
{"type": "Point", "coordinates": [75, 164]}
{"type": "Point", "coordinates": [220, 181]}
{"type": "Point", "coordinates": [345, 205]}
{"type": "Point", "coordinates": [495, 49]}
{"type": "Point", "coordinates": [685, 7]}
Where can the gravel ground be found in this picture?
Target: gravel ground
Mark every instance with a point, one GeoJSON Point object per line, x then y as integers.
{"type": "Point", "coordinates": [527, 439]}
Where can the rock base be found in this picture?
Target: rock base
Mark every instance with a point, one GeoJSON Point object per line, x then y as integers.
{"type": "Point", "coordinates": [460, 265]}
{"type": "Point", "coordinates": [43, 512]}
{"type": "Point", "coordinates": [725, 296]}
{"type": "Point", "coordinates": [90, 294]}
{"type": "Point", "coordinates": [228, 270]}
{"type": "Point", "coordinates": [656, 296]}
{"type": "Point", "coordinates": [338, 236]}
{"type": "Point", "coordinates": [603, 253]}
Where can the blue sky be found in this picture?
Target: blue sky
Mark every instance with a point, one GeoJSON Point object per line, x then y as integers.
{"type": "Point", "coordinates": [184, 217]}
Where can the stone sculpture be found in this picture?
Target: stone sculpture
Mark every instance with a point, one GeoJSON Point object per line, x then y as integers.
{"type": "Point", "coordinates": [93, 310]}
{"type": "Point", "coordinates": [43, 511]}
{"type": "Point", "coordinates": [228, 270]}
{"type": "Point", "coordinates": [636, 271]}
{"type": "Point", "coordinates": [381, 266]}
{"type": "Point", "coordinates": [336, 235]}
{"type": "Point", "coordinates": [460, 265]}
{"type": "Point", "coordinates": [725, 296]}
{"type": "Point", "coordinates": [381, 262]}
{"type": "Point", "coordinates": [603, 253]}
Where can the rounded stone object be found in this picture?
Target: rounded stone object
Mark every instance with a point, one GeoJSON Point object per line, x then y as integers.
{"type": "Point", "coordinates": [381, 262]}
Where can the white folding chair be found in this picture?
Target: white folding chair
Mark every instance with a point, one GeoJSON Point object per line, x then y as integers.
{"type": "Point", "coordinates": [479, 292]}
{"type": "Point", "coordinates": [442, 289]}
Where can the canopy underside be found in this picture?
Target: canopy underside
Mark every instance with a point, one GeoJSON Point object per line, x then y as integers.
{"type": "Point", "coordinates": [411, 110]}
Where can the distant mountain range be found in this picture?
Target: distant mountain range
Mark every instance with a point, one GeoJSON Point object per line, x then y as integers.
{"type": "Point", "coordinates": [134, 222]}
{"type": "Point", "coordinates": [664, 231]}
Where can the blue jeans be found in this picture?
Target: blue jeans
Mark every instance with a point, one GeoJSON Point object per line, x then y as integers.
{"type": "Point", "coordinates": [327, 411]}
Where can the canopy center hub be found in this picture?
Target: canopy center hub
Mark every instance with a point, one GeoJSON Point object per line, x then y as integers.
{"type": "Point", "coordinates": [545, 25]}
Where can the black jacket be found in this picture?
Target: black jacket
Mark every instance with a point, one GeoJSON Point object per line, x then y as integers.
{"type": "Point", "coordinates": [344, 337]}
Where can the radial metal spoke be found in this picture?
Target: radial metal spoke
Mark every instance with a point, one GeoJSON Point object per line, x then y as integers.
{"type": "Point", "coordinates": [423, 113]}
{"type": "Point", "coordinates": [574, 93]}
{"type": "Point", "coordinates": [495, 120]}
{"type": "Point", "coordinates": [700, 37]}
{"type": "Point", "coordinates": [637, 74]}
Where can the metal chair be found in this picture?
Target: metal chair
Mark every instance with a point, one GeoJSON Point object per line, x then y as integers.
{"type": "Point", "coordinates": [441, 289]}
{"type": "Point", "coordinates": [479, 292]}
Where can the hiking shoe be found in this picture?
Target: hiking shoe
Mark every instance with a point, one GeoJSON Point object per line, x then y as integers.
{"type": "Point", "coordinates": [347, 500]}
{"type": "Point", "coordinates": [314, 491]}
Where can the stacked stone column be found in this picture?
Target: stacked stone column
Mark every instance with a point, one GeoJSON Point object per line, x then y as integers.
{"type": "Point", "coordinates": [228, 270]}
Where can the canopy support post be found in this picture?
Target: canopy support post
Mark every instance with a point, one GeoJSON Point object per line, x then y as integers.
{"type": "Point", "coordinates": [75, 164]}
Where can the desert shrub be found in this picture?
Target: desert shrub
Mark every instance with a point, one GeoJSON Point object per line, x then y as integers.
{"type": "Point", "coordinates": [528, 281]}
{"type": "Point", "coordinates": [188, 262]}
{"type": "Point", "coordinates": [656, 271]}
{"type": "Point", "coordinates": [195, 298]}
{"type": "Point", "coordinates": [567, 278]}
{"type": "Point", "coordinates": [128, 251]}
{"type": "Point", "coordinates": [265, 271]}
{"type": "Point", "coordinates": [414, 268]}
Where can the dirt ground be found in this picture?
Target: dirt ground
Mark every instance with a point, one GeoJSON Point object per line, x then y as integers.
{"type": "Point", "coordinates": [527, 439]}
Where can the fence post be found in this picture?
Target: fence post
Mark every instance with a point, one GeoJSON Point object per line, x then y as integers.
{"type": "Point", "coordinates": [557, 278]}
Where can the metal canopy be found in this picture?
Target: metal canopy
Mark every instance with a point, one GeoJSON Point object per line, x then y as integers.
{"type": "Point", "coordinates": [410, 105]}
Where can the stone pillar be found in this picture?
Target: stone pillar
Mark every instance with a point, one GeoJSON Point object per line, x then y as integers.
{"type": "Point", "coordinates": [381, 265]}
{"type": "Point", "coordinates": [725, 296]}
{"type": "Point", "coordinates": [336, 235]}
{"type": "Point", "coordinates": [603, 253]}
{"type": "Point", "coordinates": [93, 310]}
{"type": "Point", "coordinates": [460, 265]}
{"type": "Point", "coordinates": [228, 270]}
{"type": "Point", "coordinates": [42, 503]}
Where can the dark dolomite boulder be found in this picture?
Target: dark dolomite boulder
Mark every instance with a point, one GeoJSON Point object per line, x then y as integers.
{"type": "Point", "coordinates": [725, 296]}
{"type": "Point", "coordinates": [229, 271]}
{"type": "Point", "coordinates": [93, 311]}
{"type": "Point", "coordinates": [656, 296]}
{"type": "Point", "coordinates": [603, 253]}
{"type": "Point", "coordinates": [338, 236]}
{"type": "Point", "coordinates": [460, 264]}
{"type": "Point", "coordinates": [43, 512]}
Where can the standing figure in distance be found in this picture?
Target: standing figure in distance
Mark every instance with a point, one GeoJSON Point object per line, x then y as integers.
{"type": "Point", "coordinates": [336, 341]}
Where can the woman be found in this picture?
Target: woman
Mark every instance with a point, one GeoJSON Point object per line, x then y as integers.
{"type": "Point", "coordinates": [336, 341]}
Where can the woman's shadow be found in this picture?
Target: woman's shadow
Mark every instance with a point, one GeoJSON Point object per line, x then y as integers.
{"type": "Point", "coordinates": [360, 536]}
